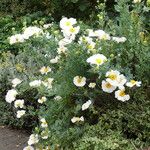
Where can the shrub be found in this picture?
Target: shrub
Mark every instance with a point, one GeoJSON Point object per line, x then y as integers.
{"type": "Point", "coordinates": [57, 8]}
{"type": "Point", "coordinates": [79, 79]}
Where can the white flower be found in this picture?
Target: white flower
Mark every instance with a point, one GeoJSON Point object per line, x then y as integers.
{"type": "Point", "coordinates": [30, 31]}
{"type": "Point", "coordinates": [19, 103]}
{"type": "Point", "coordinates": [102, 35]}
{"type": "Point", "coordinates": [45, 70]}
{"type": "Point", "coordinates": [136, 1]}
{"type": "Point", "coordinates": [57, 98]}
{"type": "Point", "coordinates": [133, 83]}
{"type": "Point", "coordinates": [77, 119]}
{"type": "Point", "coordinates": [42, 100]}
{"type": "Point", "coordinates": [79, 81]}
{"type": "Point", "coordinates": [48, 83]}
{"type": "Point", "coordinates": [85, 39]}
{"type": "Point", "coordinates": [61, 50]}
{"type": "Point", "coordinates": [11, 95]}
{"type": "Point", "coordinates": [64, 42]}
{"type": "Point", "coordinates": [35, 83]}
{"type": "Point", "coordinates": [20, 113]}
{"type": "Point", "coordinates": [66, 23]}
{"type": "Point", "coordinates": [86, 105]}
{"type": "Point", "coordinates": [119, 39]}
{"type": "Point", "coordinates": [15, 82]}
{"type": "Point", "coordinates": [91, 45]}
{"type": "Point", "coordinates": [121, 80]}
{"type": "Point", "coordinates": [44, 135]}
{"type": "Point", "coordinates": [97, 59]}
{"type": "Point", "coordinates": [46, 26]}
{"type": "Point", "coordinates": [71, 31]}
{"type": "Point", "coordinates": [43, 123]}
{"type": "Point", "coordinates": [92, 85]}
{"type": "Point", "coordinates": [28, 148]}
{"type": "Point", "coordinates": [107, 87]}
{"type": "Point", "coordinates": [55, 60]}
{"type": "Point", "coordinates": [33, 139]}
{"type": "Point", "coordinates": [121, 95]}
{"type": "Point", "coordinates": [113, 77]}
{"type": "Point", "coordinates": [16, 39]}
{"type": "Point", "coordinates": [48, 36]}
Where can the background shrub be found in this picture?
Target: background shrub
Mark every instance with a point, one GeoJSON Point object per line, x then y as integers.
{"type": "Point", "coordinates": [108, 124]}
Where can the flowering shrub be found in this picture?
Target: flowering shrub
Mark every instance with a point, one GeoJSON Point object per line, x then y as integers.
{"type": "Point", "coordinates": [86, 84]}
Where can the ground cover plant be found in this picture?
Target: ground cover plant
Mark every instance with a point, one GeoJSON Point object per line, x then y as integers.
{"type": "Point", "coordinates": [82, 86]}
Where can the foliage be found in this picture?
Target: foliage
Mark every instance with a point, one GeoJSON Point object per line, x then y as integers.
{"type": "Point", "coordinates": [107, 123]}
{"type": "Point", "coordinates": [57, 8]}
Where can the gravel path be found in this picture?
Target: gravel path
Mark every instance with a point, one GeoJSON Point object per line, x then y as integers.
{"type": "Point", "coordinates": [12, 139]}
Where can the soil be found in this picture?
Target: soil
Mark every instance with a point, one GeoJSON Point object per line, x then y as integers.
{"type": "Point", "coordinates": [12, 139]}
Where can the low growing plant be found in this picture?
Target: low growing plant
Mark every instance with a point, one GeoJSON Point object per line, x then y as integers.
{"type": "Point", "coordinates": [91, 85]}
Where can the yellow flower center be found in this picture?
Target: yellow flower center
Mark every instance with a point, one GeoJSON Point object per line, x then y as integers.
{"type": "Point", "coordinates": [108, 85]}
{"type": "Point", "coordinates": [46, 69]}
{"type": "Point", "coordinates": [99, 60]}
{"type": "Point", "coordinates": [72, 30]}
{"type": "Point", "coordinates": [104, 37]}
{"type": "Point", "coordinates": [90, 46]}
{"type": "Point", "coordinates": [122, 93]}
{"type": "Point", "coordinates": [79, 80]}
{"type": "Point", "coordinates": [133, 81]}
{"type": "Point", "coordinates": [44, 123]}
{"type": "Point", "coordinates": [113, 76]}
{"type": "Point", "coordinates": [68, 23]}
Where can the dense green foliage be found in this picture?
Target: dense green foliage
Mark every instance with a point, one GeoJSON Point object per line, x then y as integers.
{"type": "Point", "coordinates": [57, 8]}
{"type": "Point", "coordinates": [109, 124]}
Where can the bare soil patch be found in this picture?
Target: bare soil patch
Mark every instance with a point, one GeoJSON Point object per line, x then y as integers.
{"type": "Point", "coordinates": [12, 139]}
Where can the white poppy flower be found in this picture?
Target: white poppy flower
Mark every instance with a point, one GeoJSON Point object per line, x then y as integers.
{"type": "Point", "coordinates": [85, 39]}
{"type": "Point", "coordinates": [32, 30]}
{"type": "Point", "coordinates": [55, 60]}
{"type": "Point", "coordinates": [91, 45]}
{"type": "Point", "coordinates": [11, 95]}
{"type": "Point", "coordinates": [45, 70]}
{"type": "Point", "coordinates": [43, 123]}
{"type": "Point", "coordinates": [133, 83]}
{"type": "Point", "coordinates": [107, 87]}
{"type": "Point", "coordinates": [19, 103]}
{"type": "Point", "coordinates": [44, 135]}
{"type": "Point", "coordinates": [61, 50]}
{"type": "Point", "coordinates": [20, 113]}
{"type": "Point", "coordinates": [77, 119]}
{"type": "Point", "coordinates": [102, 35]}
{"type": "Point", "coordinates": [137, 1]}
{"type": "Point", "coordinates": [48, 83]}
{"type": "Point", "coordinates": [66, 23]}
{"type": "Point", "coordinates": [86, 105]}
{"type": "Point", "coordinates": [64, 42]}
{"type": "Point", "coordinates": [79, 81]}
{"type": "Point", "coordinates": [121, 95]}
{"type": "Point", "coordinates": [113, 77]}
{"type": "Point", "coordinates": [42, 100]}
{"type": "Point", "coordinates": [57, 98]}
{"type": "Point", "coordinates": [71, 31]}
{"type": "Point", "coordinates": [33, 139]}
{"type": "Point", "coordinates": [35, 83]}
{"type": "Point", "coordinates": [121, 80]}
{"type": "Point", "coordinates": [28, 148]}
{"type": "Point", "coordinates": [119, 39]}
{"type": "Point", "coordinates": [92, 85]}
{"type": "Point", "coordinates": [15, 82]}
{"type": "Point", "coordinates": [97, 59]}
{"type": "Point", "coordinates": [46, 26]}
{"type": "Point", "coordinates": [18, 38]}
